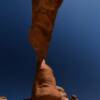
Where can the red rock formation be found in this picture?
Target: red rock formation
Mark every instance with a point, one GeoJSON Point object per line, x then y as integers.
{"type": "Point", "coordinates": [45, 85]}
{"type": "Point", "coordinates": [43, 17]}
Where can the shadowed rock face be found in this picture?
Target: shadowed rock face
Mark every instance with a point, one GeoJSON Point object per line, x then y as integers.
{"type": "Point", "coordinates": [43, 17]}
{"type": "Point", "coordinates": [45, 85]}
{"type": "Point", "coordinates": [74, 97]}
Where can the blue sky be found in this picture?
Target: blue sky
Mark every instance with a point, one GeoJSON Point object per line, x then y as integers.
{"type": "Point", "coordinates": [74, 52]}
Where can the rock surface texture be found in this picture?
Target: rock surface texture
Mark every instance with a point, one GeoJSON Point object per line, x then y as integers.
{"type": "Point", "coordinates": [45, 85]}
{"type": "Point", "coordinates": [3, 98]}
{"type": "Point", "coordinates": [43, 18]}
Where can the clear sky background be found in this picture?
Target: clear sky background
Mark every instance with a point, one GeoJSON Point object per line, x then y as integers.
{"type": "Point", "coordinates": [74, 52]}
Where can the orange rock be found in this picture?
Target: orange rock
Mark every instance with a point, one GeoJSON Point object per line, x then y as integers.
{"type": "Point", "coordinates": [45, 85]}
{"type": "Point", "coordinates": [43, 17]}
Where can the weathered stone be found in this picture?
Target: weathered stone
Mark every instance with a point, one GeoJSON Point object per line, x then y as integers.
{"type": "Point", "coordinates": [43, 17]}
{"type": "Point", "coordinates": [74, 97]}
{"type": "Point", "coordinates": [3, 98]}
{"type": "Point", "coordinates": [45, 85]}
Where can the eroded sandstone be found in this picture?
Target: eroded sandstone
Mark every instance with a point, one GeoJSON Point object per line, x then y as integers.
{"type": "Point", "coordinates": [43, 18]}
{"type": "Point", "coordinates": [45, 87]}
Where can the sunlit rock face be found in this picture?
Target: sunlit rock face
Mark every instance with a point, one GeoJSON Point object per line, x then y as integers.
{"type": "Point", "coordinates": [43, 18]}
{"type": "Point", "coordinates": [45, 85]}
{"type": "Point", "coordinates": [3, 98]}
